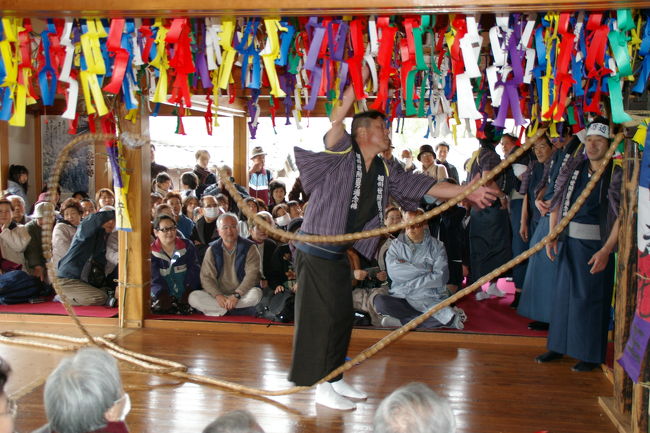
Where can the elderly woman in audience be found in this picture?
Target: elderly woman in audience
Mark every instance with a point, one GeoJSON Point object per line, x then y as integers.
{"type": "Point", "coordinates": [238, 421]}
{"type": "Point", "coordinates": [105, 197]}
{"type": "Point", "coordinates": [88, 207]}
{"type": "Point", "coordinates": [184, 224]}
{"type": "Point", "coordinates": [265, 246]}
{"type": "Point", "coordinates": [64, 231]}
{"type": "Point", "coordinates": [84, 394]}
{"type": "Point", "coordinates": [414, 408]}
{"type": "Point", "coordinates": [19, 209]}
{"type": "Point", "coordinates": [174, 269]}
{"type": "Point", "coordinates": [281, 215]}
{"type": "Point", "coordinates": [13, 240]}
{"type": "Point", "coordinates": [8, 407]}
{"type": "Point", "coordinates": [34, 256]}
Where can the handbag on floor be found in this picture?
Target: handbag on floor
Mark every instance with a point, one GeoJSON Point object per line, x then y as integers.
{"type": "Point", "coordinates": [277, 307]}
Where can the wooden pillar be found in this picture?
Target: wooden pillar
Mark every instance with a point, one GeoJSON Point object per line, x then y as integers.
{"type": "Point", "coordinates": [240, 151]}
{"type": "Point", "coordinates": [4, 155]}
{"type": "Point", "coordinates": [134, 246]}
{"type": "Point", "coordinates": [626, 287]}
{"type": "Point", "coordinates": [103, 173]}
{"type": "Point", "coordinates": [38, 155]}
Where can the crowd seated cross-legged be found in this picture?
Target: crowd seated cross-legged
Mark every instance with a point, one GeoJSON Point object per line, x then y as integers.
{"type": "Point", "coordinates": [86, 261]}
{"type": "Point", "coordinates": [84, 394]}
{"type": "Point", "coordinates": [229, 273]}
{"type": "Point", "coordinates": [414, 408]}
{"type": "Point", "coordinates": [205, 230]}
{"type": "Point", "coordinates": [14, 239]}
{"type": "Point", "coordinates": [237, 421]}
{"type": "Point", "coordinates": [265, 246]}
{"type": "Point", "coordinates": [174, 269]}
{"type": "Point", "coordinates": [417, 266]}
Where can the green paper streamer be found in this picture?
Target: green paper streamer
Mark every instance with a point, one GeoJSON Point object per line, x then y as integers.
{"type": "Point", "coordinates": [616, 100]}
{"type": "Point", "coordinates": [570, 112]}
{"type": "Point", "coordinates": [618, 43]}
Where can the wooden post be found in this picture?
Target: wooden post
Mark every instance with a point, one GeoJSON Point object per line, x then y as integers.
{"type": "Point", "coordinates": [134, 246]}
{"type": "Point", "coordinates": [240, 151]}
{"type": "Point", "coordinates": [38, 155]}
{"type": "Point", "coordinates": [4, 155]}
{"type": "Point", "coordinates": [626, 288]}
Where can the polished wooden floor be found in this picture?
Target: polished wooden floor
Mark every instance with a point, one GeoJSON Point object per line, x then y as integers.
{"type": "Point", "coordinates": [492, 387]}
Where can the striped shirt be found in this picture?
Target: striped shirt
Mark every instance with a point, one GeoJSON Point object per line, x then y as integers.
{"type": "Point", "coordinates": [328, 177]}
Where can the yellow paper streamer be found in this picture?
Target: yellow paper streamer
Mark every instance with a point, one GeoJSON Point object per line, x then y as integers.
{"type": "Point", "coordinates": [272, 27]}
{"type": "Point", "coordinates": [161, 62]}
{"type": "Point", "coordinates": [641, 132]}
{"type": "Point", "coordinates": [229, 53]}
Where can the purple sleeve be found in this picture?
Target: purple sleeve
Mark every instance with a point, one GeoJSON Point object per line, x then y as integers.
{"type": "Point", "coordinates": [488, 160]}
{"type": "Point", "coordinates": [561, 182]}
{"type": "Point", "coordinates": [314, 166]}
{"type": "Point", "coordinates": [525, 178]}
{"type": "Point", "coordinates": [408, 188]}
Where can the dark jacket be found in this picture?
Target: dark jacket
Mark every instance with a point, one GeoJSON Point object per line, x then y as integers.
{"type": "Point", "coordinates": [281, 263]}
{"type": "Point", "coordinates": [202, 236]}
{"type": "Point", "coordinates": [269, 248]}
{"type": "Point", "coordinates": [89, 242]}
{"type": "Point", "coordinates": [182, 269]}
{"type": "Point", "coordinates": [243, 245]}
{"type": "Point", "coordinates": [34, 251]}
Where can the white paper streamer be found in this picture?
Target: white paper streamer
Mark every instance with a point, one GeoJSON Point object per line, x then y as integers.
{"type": "Point", "coordinates": [73, 85]}
{"type": "Point", "coordinates": [372, 30]}
{"type": "Point", "coordinates": [470, 46]}
{"type": "Point", "coordinates": [465, 97]}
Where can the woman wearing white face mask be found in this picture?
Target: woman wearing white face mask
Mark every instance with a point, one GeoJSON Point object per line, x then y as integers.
{"type": "Point", "coordinates": [84, 394]}
{"type": "Point", "coordinates": [281, 216]}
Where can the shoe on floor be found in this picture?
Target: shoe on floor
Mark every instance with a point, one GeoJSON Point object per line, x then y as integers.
{"type": "Point", "coordinates": [346, 390]}
{"type": "Point", "coordinates": [390, 322]}
{"type": "Point", "coordinates": [458, 321]}
{"type": "Point", "coordinates": [326, 396]}
{"type": "Point", "coordinates": [481, 295]}
{"type": "Point", "coordinates": [583, 366]}
{"type": "Point", "coordinates": [548, 357]}
{"type": "Point", "coordinates": [538, 326]}
{"type": "Point", "coordinates": [493, 290]}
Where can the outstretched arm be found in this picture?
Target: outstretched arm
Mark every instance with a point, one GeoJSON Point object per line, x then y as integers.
{"type": "Point", "coordinates": [339, 112]}
{"type": "Point", "coordinates": [482, 197]}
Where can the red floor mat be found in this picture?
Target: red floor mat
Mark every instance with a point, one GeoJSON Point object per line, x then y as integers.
{"type": "Point", "coordinates": [56, 308]}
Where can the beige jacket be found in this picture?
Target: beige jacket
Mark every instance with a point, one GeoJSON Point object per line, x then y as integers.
{"type": "Point", "coordinates": [227, 283]}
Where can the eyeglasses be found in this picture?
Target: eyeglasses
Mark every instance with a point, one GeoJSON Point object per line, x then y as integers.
{"type": "Point", "coordinates": [166, 229]}
{"type": "Point", "coordinates": [12, 408]}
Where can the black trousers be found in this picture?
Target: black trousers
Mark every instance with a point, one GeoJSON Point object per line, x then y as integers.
{"type": "Point", "coordinates": [323, 318]}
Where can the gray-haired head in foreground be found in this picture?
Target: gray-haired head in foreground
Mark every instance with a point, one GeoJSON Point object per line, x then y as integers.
{"type": "Point", "coordinates": [238, 421]}
{"type": "Point", "coordinates": [414, 408]}
{"type": "Point", "coordinates": [80, 390]}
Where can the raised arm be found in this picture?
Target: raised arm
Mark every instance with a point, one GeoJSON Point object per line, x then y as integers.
{"type": "Point", "coordinates": [339, 112]}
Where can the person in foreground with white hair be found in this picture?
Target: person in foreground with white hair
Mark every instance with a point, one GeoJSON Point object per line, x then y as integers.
{"type": "Point", "coordinates": [414, 408]}
{"type": "Point", "coordinates": [84, 394]}
{"type": "Point", "coordinates": [238, 421]}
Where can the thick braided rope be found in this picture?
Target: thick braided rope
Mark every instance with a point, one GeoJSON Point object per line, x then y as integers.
{"type": "Point", "coordinates": [142, 360]}
{"type": "Point", "coordinates": [350, 237]}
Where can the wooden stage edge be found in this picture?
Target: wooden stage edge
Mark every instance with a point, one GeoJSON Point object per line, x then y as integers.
{"type": "Point", "coordinates": [262, 329]}
{"type": "Point", "coordinates": [608, 405]}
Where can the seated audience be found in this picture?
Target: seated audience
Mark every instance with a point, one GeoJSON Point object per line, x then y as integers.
{"type": "Point", "coordinates": [277, 193]}
{"type": "Point", "coordinates": [185, 225]}
{"type": "Point", "coordinates": [417, 266]}
{"type": "Point", "coordinates": [162, 184]}
{"type": "Point", "coordinates": [80, 195]}
{"type": "Point", "coordinates": [88, 252]}
{"type": "Point", "coordinates": [238, 421]}
{"type": "Point", "coordinates": [17, 184]}
{"type": "Point", "coordinates": [84, 394]}
{"type": "Point", "coordinates": [34, 252]}
{"type": "Point", "coordinates": [242, 225]}
{"type": "Point", "coordinates": [222, 201]}
{"type": "Point", "coordinates": [189, 183]}
{"type": "Point", "coordinates": [156, 199]}
{"type": "Point", "coordinates": [281, 215]}
{"type": "Point", "coordinates": [174, 269]}
{"type": "Point", "coordinates": [19, 209]}
{"type": "Point", "coordinates": [13, 240]}
{"type": "Point", "coordinates": [265, 246]}
{"type": "Point", "coordinates": [205, 230]}
{"type": "Point", "coordinates": [189, 204]}
{"type": "Point", "coordinates": [204, 175]}
{"type": "Point", "coordinates": [88, 206]}
{"type": "Point", "coordinates": [8, 407]}
{"type": "Point", "coordinates": [64, 231]}
{"type": "Point", "coordinates": [229, 273]}
{"type": "Point", "coordinates": [414, 408]}
{"type": "Point", "coordinates": [105, 197]}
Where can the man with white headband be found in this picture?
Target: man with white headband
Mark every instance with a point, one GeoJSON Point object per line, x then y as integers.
{"type": "Point", "coordinates": [585, 279]}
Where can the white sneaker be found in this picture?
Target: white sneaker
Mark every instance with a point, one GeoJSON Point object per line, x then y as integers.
{"type": "Point", "coordinates": [481, 295]}
{"type": "Point", "coordinates": [326, 396]}
{"type": "Point", "coordinates": [390, 322]}
{"type": "Point", "coordinates": [493, 290]}
{"type": "Point", "coordinates": [346, 390]}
